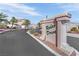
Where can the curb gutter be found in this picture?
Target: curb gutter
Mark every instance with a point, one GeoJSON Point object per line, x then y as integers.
{"type": "Point", "coordinates": [49, 49]}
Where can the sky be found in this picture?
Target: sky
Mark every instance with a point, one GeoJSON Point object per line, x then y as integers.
{"type": "Point", "coordinates": [37, 11]}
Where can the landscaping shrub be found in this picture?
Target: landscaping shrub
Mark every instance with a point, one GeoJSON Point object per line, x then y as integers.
{"type": "Point", "coordinates": [3, 26]}
{"type": "Point", "coordinates": [32, 31]}
{"type": "Point", "coordinates": [35, 32]}
{"type": "Point", "coordinates": [74, 29]}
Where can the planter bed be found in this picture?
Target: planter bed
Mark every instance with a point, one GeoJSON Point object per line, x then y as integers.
{"type": "Point", "coordinates": [4, 30]}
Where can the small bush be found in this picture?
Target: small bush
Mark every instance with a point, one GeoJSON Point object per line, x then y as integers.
{"type": "Point", "coordinates": [32, 31]}
{"type": "Point", "coordinates": [74, 29]}
{"type": "Point", "coordinates": [3, 26]}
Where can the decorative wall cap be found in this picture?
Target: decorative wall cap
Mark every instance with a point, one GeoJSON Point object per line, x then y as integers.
{"type": "Point", "coordinates": [64, 15]}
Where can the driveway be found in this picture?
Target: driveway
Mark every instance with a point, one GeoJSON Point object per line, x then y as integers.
{"type": "Point", "coordinates": [19, 43]}
{"type": "Point", "coordinates": [73, 41]}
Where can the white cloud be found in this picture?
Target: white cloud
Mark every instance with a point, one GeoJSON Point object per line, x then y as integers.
{"type": "Point", "coordinates": [70, 6]}
{"type": "Point", "coordinates": [21, 8]}
{"type": "Point", "coordinates": [31, 12]}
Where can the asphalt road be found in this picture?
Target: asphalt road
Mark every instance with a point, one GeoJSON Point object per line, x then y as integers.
{"type": "Point", "coordinates": [74, 42]}
{"type": "Point", "coordinates": [19, 43]}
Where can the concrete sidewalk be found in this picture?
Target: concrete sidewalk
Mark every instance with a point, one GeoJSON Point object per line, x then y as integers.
{"type": "Point", "coordinates": [73, 35]}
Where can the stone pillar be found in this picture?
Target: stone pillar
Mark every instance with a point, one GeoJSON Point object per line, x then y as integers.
{"type": "Point", "coordinates": [43, 32]}
{"type": "Point", "coordinates": [61, 34]}
{"type": "Point", "coordinates": [61, 20]}
{"type": "Point", "coordinates": [58, 34]}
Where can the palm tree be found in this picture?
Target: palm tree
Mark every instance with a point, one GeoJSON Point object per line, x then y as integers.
{"type": "Point", "coordinates": [6, 22]}
{"type": "Point", "coordinates": [26, 23]}
{"type": "Point", "coordinates": [2, 17]}
{"type": "Point", "coordinates": [39, 25]}
{"type": "Point", "coordinates": [13, 21]}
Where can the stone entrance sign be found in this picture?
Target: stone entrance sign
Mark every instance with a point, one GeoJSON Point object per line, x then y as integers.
{"type": "Point", "coordinates": [49, 31]}
{"type": "Point", "coordinates": [54, 31]}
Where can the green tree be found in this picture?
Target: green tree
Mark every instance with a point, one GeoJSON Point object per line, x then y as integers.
{"type": "Point", "coordinates": [39, 25]}
{"type": "Point", "coordinates": [78, 27]}
{"type": "Point", "coordinates": [13, 21]}
{"type": "Point", "coordinates": [2, 17]}
{"type": "Point", "coordinates": [26, 23]}
{"type": "Point", "coordinates": [6, 22]}
{"type": "Point", "coordinates": [74, 29]}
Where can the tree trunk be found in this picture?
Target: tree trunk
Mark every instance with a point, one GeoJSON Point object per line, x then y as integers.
{"type": "Point", "coordinates": [26, 28]}
{"type": "Point", "coordinates": [12, 26]}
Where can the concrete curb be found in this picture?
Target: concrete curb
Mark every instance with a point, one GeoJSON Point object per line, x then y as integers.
{"type": "Point", "coordinates": [49, 49]}
{"type": "Point", "coordinates": [4, 31]}
{"type": "Point", "coordinates": [73, 35]}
